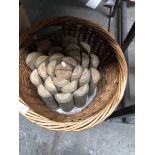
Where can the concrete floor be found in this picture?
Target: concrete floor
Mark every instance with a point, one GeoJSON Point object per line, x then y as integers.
{"type": "Point", "coordinates": [108, 138]}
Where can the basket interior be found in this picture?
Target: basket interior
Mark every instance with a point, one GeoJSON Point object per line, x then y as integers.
{"type": "Point", "coordinates": [108, 67]}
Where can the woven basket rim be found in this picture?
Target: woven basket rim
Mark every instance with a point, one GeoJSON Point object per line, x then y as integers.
{"type": "Point", "coordinates": [102, 114]}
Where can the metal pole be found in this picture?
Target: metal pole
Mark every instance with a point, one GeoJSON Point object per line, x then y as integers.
{"type": "Point", "coordinates": [129, 38]}
{"type": "Point", "coordinates": [109, 20]}
{"type": "Point", "coordinates": [130, 110]}
{"type": "Point", "coordinates": [119, 38]}
{"type": "Point", "coordinates": [115, 8]}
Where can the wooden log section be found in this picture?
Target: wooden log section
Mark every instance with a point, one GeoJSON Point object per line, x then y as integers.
{"type": "Point", "coordinates": [94, 61]}
{"type": "Point", "coordinates": [40, 59]}
{"type": "Point", "coordinates": [71, 61]}
{"type": "Point", "coordinates": [47, 97]}
{"type": "Point", "coordinates": [43, 45]}
{"type": "Point", "coordinates": [63, 71]}
{"type": "Point", "coordinates": [35, 78]}
{"type": "Point", "coordinates": [72, 47]}
{"type": "Point", "coordinates": [85, 47]}
{"type": "Point", "coordinates": [85, 77]}
{"type": "Point", "coordinates": [51, 68]}
{"type": "Point", "coordinates": [77, 73]}
{"type": "Point", "coordinates": [94, 78]}
{"type": "Point", "coordinates": [65, 101]}
{"type": "Point", "coordinates": [80, 96]}
{"type": "Point", "coordinates": [70, 87]}
{"type": "Point", "coordinates": [73, 50]}
{"type": "Point", "coordinates": [68, 40]}
{"type": "Point", "coordinates": [55, 49]}
{"type": "Point", "coordinates": [85, 60]}
{"type": "Point", "coordinates": [31, 59]}
{"type": "Point", "coordinates": [57, 57]}
{"type": "Point", "coordinates": [42, 71]}
{"type": "Point", "coordinates": [49, 85]}
{"type": "Point", "coordinates": [60, 82]}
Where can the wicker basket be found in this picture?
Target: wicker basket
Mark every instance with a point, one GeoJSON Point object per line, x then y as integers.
{"type": "Point", "coordinates": [112, 67]}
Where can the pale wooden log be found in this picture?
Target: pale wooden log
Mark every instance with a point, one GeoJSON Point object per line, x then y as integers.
{"type": "Point", "coordinates": [55, 49]}
{"type": "Point", "coordinates": [65, 101]}
{"type": "Point", "coordinates": [40, 59]}
{"type": "Point", "coordinates": [80, 96]}
{"type": "Point", "coordinates": [63, 71]}
{"type": "Point", "coordinates": [60, 82]}
{"type": "Point", "coordinates": [94, 61]}
{"type": "Point", "coordinates": [47, 97]}
{"type": "Point", "coordinates": [72, 47]}
{"type": "Point", "coordinates": [94, 78]}
{"type": "Point", "coordinates": [43, 45]}
{"type": "Point", "coordinates": [71, 61]}
{"type": "Point", "coordinates": [51, 68]}
{"type": "Point", "coordinates": [42, 71]}
{"type": "Point", "coordinates": [85, 77]}
{"type": "Point", "coordinates": [57, 57]}
{"type": "Point", "coordinates": [73, 50]}
{"type": "Point", "coordinates": [68, 40]}
{"type": "Point", "coordinates": [70, 87]}
{"type": "Point", "coordinates": [85, 47]}
{"type": "Point", "coordinates": [49, 85]}
{"type": "Point", "coordinates": [35, 78]}
{"type": "Point", "coordinates": [85, 60]}
{"type": "Point", "coordinates": [77, 73]}
{"type": "Point", "coordinates": [31, 59]}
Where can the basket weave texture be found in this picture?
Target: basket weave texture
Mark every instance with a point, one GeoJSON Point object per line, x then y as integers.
{"type": "Point", "coordinates": [112, 67]}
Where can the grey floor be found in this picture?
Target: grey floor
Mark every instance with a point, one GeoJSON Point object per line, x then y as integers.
{"type": "Point", "coordinates": [107, 138]}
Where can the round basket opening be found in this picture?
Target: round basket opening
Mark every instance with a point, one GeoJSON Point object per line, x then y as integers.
{"type": "Point", "coordinates": [112, 67]}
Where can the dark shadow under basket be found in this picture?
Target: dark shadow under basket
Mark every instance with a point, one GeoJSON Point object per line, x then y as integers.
{"type": "Point", "coordinates": [112, 67]}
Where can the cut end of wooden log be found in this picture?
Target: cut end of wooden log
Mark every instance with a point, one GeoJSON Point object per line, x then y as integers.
{"type": "Point", "coordinates": [73, 50]}
{"type": "Point", "coordinates": [85, 46]}
{"type": "Point", "coordinates": [31, 59]}
{"type": "Point", "coordinates": [65, 67]}
{"type": "Point", "coordinates": [40, 59]}
{"type": "Point", "coordinates": [55, 49]}
{"type": "Point", "coordinates": [51, 68]}
{"type": "Point", "coordinates": [42, 91]}
{"type": "Point", "coordinates": [80, 96]}
{"type": "Point", "coordinates": [70, 87]}
{"type": "Point", "coordinates": [64, 72]}
{"type": "Point", "coordinates": [65, 101]}
{"type": "Point", "coordinates": [95, 75]}
{"type": "Point", "coordinates": [83, 90]}
{"type": "Point", "coordinates": [35, 78]}
{"type": "Point", "coordinates": [47, 97]}
{"type": "Point", "coordinates": [85, 77]}
{"type": "Point", "coordinates": [63, 97]}
{"type": "Point", "coordinates": [56, 56]}
{"type": "Point", "coordinates": [85, 60]}
{"type": "Point", "coordinates": [69, 60]}
{"type": "Point", "coordinates": [49, 85]}
{"type": "Point", "coordinates": [69, 40]}
{"type": "Point", "coordinates": [60, 82]}
{"type": "Point", "coordinates": [77, 73]}
{"type": "Point", "coordinates": [42, 70]}
{"type": "Point", "coordinates": [72, 47]}
{"type": "Point", "coordinates": [94, 61]}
